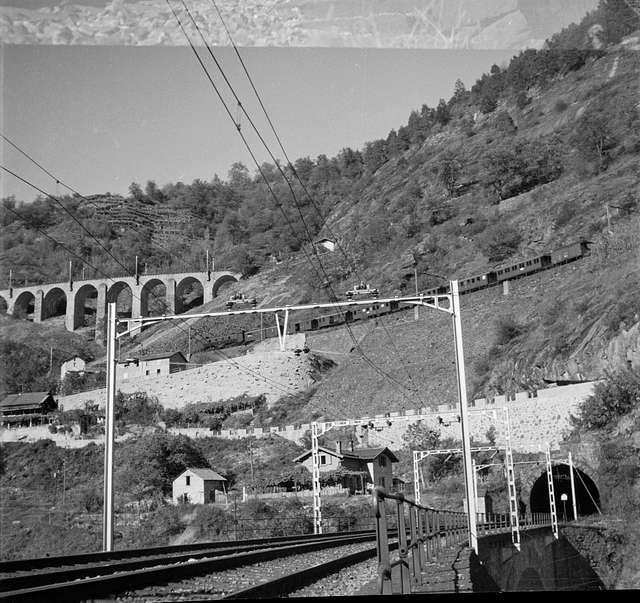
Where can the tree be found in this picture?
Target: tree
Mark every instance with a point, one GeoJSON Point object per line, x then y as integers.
{"type": "Point", "coordinates": [448, 169]}
{"type": "Point", "coordinates": [459, 90]}
{"type": "Point", "coordinates": [593, 139]}
{"type": "Point", "coordinates": [501, 166]}
{"type": "Point", "coordinates": [420, 436]}
{"type": "Point", "coordinates": [443, 115]}
{"type": "Point", "coordinates": [375, 155]}
{"type": "Point", "coordinates": [148, 467]}
{"type": "Point", "coordinates": [612, 398]}
{"type": "Point", "coordinates": [135, 190]}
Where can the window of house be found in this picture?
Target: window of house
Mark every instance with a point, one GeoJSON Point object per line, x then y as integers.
{"type": "Point", "coordinates": [146, 372]}
{"type": "Point", "coordinates": [188, 478]}
{"type": "Point", "coordinates": [157, 371]}
{"type": "Point", "coordinates": [323, 459]}
{"type": "Point", "coordinates": [382, 461]}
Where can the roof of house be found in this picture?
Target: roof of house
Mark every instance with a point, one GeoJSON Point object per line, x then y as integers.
{"type": "Point", "coordinates": [363, 454]}
{"type": "Point", "coordinates": [158, 356]}
{"type": "Point", "coordinates": [25, 399]}
{"type": "Point", "coordinates": [368, 454]}
{"type": "Point", "coordinates": [205, 473]}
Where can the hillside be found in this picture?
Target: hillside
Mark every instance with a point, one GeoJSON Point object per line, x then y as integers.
{"type": "Point", "coordinates": [536, 155]}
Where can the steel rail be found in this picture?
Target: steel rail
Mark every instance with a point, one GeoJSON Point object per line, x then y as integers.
{"type": "Point", "coordinates": [16, 565]}
{"type": "Point", "coordinates": [288, 583]}
{"type": "Point", "coordinates": [89, 588]}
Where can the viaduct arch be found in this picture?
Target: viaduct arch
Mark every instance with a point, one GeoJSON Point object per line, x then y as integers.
{"type": "Point", "coordinates": [84, 303]}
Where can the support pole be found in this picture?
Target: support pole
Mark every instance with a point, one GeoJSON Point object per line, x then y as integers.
{"type": "Point", "coordinates": [552, 495]}
{"type": "Point", "coordinates": [511, 482]}
{"type": "Point", "coordinates": [107, 519]}
{"type": "Point", "coordinates": [464, 423]}
{"type": "Point", "coordinates": [416, 477]}
{"type": "Point", "coordinates": [315, 479]}
{"type": "Point", "coordinates": [573, 490]}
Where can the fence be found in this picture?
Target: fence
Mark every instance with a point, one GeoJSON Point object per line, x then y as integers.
{"type": "Point", "coordinates": [430, 530]}
{"type": "Point", "coordinates": [498, 523]}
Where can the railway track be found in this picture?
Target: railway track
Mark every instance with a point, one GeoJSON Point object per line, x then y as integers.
{"type": "Point", "coordinates": [223, 567]}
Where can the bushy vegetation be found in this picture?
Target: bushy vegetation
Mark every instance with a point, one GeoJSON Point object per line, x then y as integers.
{"type": "Point", "coordinates": [612, 398]}
{"type": "Point", "coordinates": [213, 416]}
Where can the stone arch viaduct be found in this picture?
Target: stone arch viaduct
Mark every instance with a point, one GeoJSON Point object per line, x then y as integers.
{"type": "Point", "coordinates": [72, 298]}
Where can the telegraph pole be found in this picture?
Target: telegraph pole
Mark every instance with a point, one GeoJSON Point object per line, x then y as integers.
{"type": "Point", "coordinates": [107, 523]}
{"type": "Point", "coordinates": [464, 423]}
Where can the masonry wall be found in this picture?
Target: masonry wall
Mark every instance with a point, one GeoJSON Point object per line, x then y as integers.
{"type": "Point", "coordinates": [534, 418]}
{"type": "Point", "coordinates": [272, 374]}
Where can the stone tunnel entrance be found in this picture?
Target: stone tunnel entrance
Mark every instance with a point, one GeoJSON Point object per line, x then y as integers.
{"type": "Point", "coordinates": [587, 495]}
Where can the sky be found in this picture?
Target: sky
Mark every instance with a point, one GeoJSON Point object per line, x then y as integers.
{"type": "Point", "coordinates": [101, 117]}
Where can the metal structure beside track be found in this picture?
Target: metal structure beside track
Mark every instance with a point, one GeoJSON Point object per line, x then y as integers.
{"type": "Point", "coordinates": [429, 532]}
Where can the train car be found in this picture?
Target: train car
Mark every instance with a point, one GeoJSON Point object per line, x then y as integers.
{"type": "Point", "coordinates": [569, 253]}
{"type": "Point", "coordinates": [473, 283]}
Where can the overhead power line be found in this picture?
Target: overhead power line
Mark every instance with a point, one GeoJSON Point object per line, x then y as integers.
{"type": "Point", "coordinates": [290, 165]}
{"type": "Point", "coordinates": [279, 205]}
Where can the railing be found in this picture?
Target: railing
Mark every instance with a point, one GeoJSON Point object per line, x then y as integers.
{"type": "Point", "coordinates": [430, 530]}
{"type": "Point", "coordinates": [498, 523]}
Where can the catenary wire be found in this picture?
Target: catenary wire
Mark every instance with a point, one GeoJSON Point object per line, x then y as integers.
{"type": "Point", "coordinates": [237, 125]}
{"type": "Point", "coordinates": [290, 165]}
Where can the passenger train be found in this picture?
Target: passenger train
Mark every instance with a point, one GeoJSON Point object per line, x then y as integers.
{"type": "Point", "coordinates": [563, 255]}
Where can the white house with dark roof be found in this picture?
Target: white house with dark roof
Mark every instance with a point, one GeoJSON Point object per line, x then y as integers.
{"type": "Point", "coordinates": [198, 485]}
{"type": "Point", "coordinates": [151, 366]}
{"type": "Point", "coordinates": [360, 465]}
{"type": "Point", "coordinates": [74, 365]}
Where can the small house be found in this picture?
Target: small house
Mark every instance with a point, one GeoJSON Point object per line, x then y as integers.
{"type": "Point", "coordinates": [198, 485]}
{"type": "Point", "coordinates": [359, 466]}
{"type": "Point", "coordinates": [27, 406]}
{"type": "Point", "coordinates": [75, 365]}
{"type": "Point", "coordinates": [151, 365]}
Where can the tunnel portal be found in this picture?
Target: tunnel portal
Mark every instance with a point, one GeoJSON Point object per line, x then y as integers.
{"type": "Point", "coordinates": [587, 495]}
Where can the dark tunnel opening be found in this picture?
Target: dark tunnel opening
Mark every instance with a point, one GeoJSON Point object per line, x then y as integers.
{"type": "Point", "coordinates": [586, 493]}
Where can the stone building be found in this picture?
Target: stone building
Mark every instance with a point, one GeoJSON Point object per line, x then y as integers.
{"type": "Point", "coordinates": [198, 485]}
{"type": "Point", "coordinates": [151, 365]}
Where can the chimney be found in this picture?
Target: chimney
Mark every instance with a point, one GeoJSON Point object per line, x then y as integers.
{"type": "Point", "coordinates": [339, 447]}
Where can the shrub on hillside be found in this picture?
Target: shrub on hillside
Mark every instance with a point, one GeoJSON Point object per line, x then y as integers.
{"type": "Point", "coordinates": [507, 329]}
{"type": "Point", "coordinates": [137, 408]}
{"type": "Point", "coordinates": [499, 241]}
{"type": "Point", "coordinates": [614, 397]}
